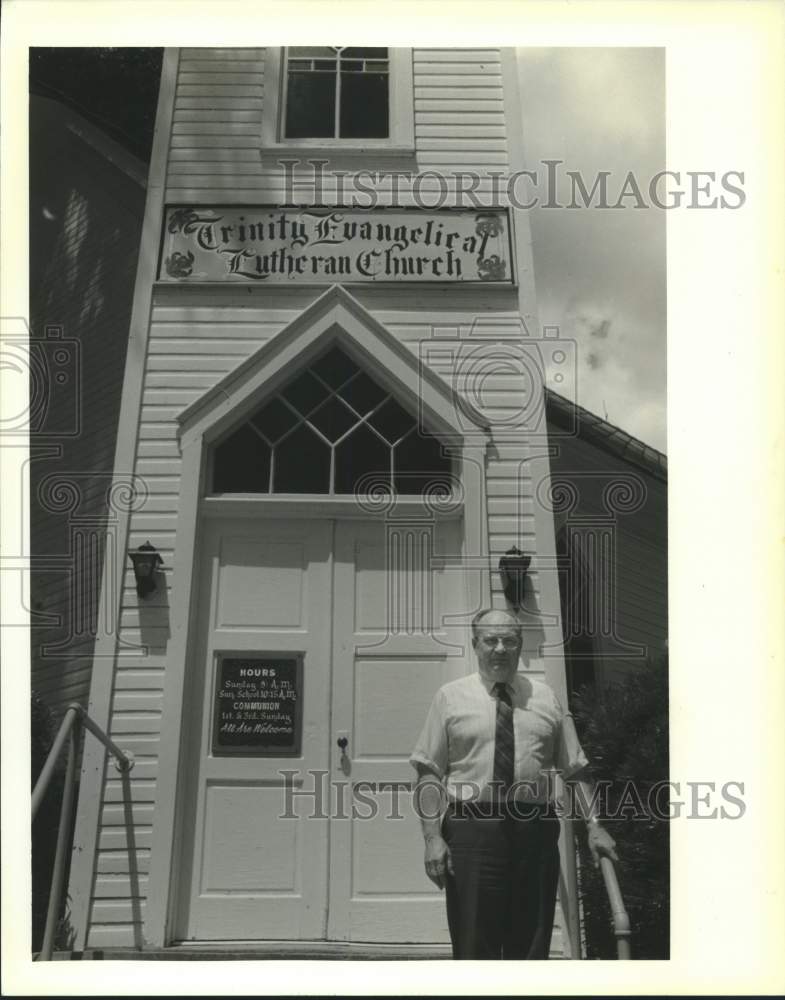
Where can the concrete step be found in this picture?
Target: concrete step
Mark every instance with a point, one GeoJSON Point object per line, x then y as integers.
{"type": "Point", "coordinates": [238, 951]}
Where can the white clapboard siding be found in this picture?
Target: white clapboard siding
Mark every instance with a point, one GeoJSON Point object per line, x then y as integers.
{"type": "Point", "coordinates": [140, 790]}
{"type": "Point", "coordinates": [141, 700]}
{"type": "Point", "coordinates": [118, 887]}
{"type": "Point", "coordinates": [124, 723]}
{"type": "Point", "coordinates": [215, 142]}
{"type": "Point", "coordinates": [118, 862]}
{"type": "Point", "coordinates": [113, 935]}
{"type": "Point", "coordinates": [195, 338]}
{"type": "Point", "coordinates": [114, 839]}
{"type": "Point", "coordinates": [118, 911]}
{"type": "Point", "coordinates": [113, 815]}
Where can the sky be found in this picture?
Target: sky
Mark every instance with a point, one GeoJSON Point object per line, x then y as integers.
{"type": "Point", "coordinates": [600, 273]}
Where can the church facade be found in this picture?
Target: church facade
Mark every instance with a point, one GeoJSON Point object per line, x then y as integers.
{"type": "Point", "coordinates": [335, 421]}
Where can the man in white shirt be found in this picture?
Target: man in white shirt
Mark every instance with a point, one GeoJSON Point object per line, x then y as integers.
{"type": "Point", "coordinates": [489, 746]}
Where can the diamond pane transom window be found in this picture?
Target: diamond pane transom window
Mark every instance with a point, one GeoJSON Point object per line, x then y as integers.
{"type": "Point", "coordinates": [334, 92]}
{"type": "Point", "coordinates": [331, 429]}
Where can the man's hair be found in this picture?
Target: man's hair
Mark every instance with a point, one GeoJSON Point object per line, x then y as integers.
{"type": "Point", "coordinates": [477, 621]}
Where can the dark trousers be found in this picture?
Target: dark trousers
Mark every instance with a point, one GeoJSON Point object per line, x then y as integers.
{"type": "Point", "coordinates": [502, 896]}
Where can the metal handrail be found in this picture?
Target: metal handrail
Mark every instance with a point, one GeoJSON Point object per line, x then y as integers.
{"type": "Point", "coordinates": [621, 920]}
{"type": "Point", "coordinates": [70, 729]}
{"type": "Point", "coordinates": [568, 888]}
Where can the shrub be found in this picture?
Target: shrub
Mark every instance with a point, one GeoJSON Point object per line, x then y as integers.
{"type": "Point", "coordinates": [624, 731]}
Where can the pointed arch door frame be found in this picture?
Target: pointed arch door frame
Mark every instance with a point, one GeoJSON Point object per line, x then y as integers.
{"type": "Point", "coordinates": [336, 316]}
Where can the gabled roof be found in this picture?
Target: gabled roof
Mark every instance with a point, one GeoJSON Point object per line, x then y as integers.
{"type": "Point", "coordinates": [605, 435]}
{"type": "Point", "coordinates": [334, 316]}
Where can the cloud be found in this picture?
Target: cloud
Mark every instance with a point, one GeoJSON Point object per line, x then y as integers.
{"type": "Point", "coordinates": [600, 274]}
{"type": "Point", "coordinates": [601, 330]}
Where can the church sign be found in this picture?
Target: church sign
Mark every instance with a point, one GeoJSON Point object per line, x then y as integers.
{"type": "Point", "coordinates": [327, 246]}
{"type": "Point", "coordinates": [257, 706]}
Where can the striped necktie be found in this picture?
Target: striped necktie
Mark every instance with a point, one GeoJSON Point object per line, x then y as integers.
{"type": "Point", "coordinates": [504, 751]}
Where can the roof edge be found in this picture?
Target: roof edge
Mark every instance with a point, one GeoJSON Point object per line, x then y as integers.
{"type": "Point", "coordinates": [607, 435]}
{"type": "Point", "coordinates": [95, 137]}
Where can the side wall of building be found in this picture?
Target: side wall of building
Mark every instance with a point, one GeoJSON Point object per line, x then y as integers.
{"type": "Point", "coordinates": [85, 225]}
{"type": "Point", "coordinates": [620, 517]}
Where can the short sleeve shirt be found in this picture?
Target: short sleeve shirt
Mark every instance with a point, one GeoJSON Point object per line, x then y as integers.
{"type": "Point", "coordinates": [457, 740]}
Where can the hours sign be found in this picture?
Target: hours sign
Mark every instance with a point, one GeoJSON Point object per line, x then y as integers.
{"type": "Point", "coordinates": [257, 706]}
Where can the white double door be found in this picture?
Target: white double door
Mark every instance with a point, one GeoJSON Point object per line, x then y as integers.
{"type": "Point", "coordinates": [363, 606]}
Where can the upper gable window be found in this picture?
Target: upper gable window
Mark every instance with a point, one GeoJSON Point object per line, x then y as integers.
{"type": "Point", "coordinates": [333, 92]}
{"type": "Point", "coordinates": [331, 429]}
{"type": "Point", "coordinates": [328, 97]}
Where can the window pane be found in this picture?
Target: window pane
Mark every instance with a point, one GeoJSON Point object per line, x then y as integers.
{"type": "Point", "coordinates": [274, 420]}
{"type": "Point", "coordinates": [241, 464]}
{"type": "Point", "coordinates": [310, 106]}
{"type": "Point", "coordinates": [305, 393]}
{"type": "Point", "coordinates": [392, 421]}
{"type": "Point", "coordinates": [302, 464]}
{"type": "Point", "coordinates": [419, 464]}
{"type": "Point", "coordinates": [333, 419]}
{"type": "Point", "coordinates": [362, 393]}
{"type": "Point", "coordinates": [359, 455]}
{"type": "Point", "coordinates": [334, 395]}
{"type": "Point", "coordinates": [365, 53]}
{"type": "Point", "coordinates": [334, 367]}
{"type": "Point", "coordinates": [364, 106]}
{"type": "Point", "coordinates": [311, 52]}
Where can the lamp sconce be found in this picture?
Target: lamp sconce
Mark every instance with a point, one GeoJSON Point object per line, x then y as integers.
{"type": "Point", "coordinates": [512, 569]}
{"type": "Point", "coordinates": [146, 561]}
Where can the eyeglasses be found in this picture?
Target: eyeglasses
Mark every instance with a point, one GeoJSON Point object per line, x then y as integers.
{"type": "Point", "coordinates": [509, 642]}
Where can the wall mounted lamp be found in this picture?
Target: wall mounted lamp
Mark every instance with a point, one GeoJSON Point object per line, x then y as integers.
{"type": "Point", "coordinates": [512, 569]}
{"type": "Point", "coordinates": [146, 561]}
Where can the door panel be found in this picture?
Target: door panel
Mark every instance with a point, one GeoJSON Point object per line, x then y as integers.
{"type": "Point", "coordinates": [256, 874]}
{"type": "Point", "coordinates": [248, 856]}
{"type": "Point", "coordinates": [364, 603]}
{"type": "Point", "coordinates": [391, 651]}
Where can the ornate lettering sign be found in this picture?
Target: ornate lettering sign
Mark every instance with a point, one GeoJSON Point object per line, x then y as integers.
{"type": "Point", "coordinates": [258, 706]}
{"type": "Point", "coordinates": [279, 246]}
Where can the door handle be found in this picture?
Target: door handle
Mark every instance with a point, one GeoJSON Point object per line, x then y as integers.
{"type": "Point", "coordinates": [344, 763]}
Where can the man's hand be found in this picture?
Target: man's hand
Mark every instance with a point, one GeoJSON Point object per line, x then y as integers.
{"type": "Point", "coordinates": [438, 862]}
{"type": "Point", "coordinates": [601, 843]}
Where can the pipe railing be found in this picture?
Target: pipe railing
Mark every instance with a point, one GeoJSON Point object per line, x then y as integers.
{"type": "Point", "coordinates": [619, 916]}
{"type": "Point", "coordinates": [74, 720]}
{"type": "Point", "coordinates": [568, 888]}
